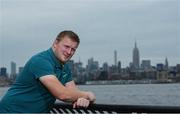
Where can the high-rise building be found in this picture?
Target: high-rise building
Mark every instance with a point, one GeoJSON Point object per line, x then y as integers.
{"type": "Point", "coordinates": [136, 57]}
{"type": "Point", "coordinates": [105, 67]}
{"type": "Point", "coordinates": [178, 68]}
{"type": "Point", "coordinates": [166, 66]}
{"type": "Point", "coordinates": [3, 71]}
{"type": "Point", "coordinates": [160, 67]}
{"type": "Point", "coordinates": [92, 65]}
{"type": "Point", "coordinates": [119, 67]}
{"type": "Point", "coordinates": [115, 58]}
{"type": "Point", "coordinates": [146, 64]}
{"type": "Point", "coordinates": [13, 70]}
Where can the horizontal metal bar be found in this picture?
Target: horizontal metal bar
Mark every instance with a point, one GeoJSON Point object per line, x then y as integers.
{"type": "Point", "coordinates": [118, 108]}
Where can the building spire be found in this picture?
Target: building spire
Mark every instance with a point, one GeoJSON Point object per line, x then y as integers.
{"type": "Point", "coordinates": [115, 58]}
{"type": "Point", "coordinates": [166, 63]}
{"type": "Point", "coordinates": [135, 44]}
{"type": "Point", "coordinates": [136, 58]}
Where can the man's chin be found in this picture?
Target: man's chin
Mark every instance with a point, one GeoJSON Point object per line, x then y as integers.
{"type": "Point", "coordinates": [65, 60]}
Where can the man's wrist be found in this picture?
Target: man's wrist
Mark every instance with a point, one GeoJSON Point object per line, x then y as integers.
{"type": "Point", "coordinates": [87, 95]}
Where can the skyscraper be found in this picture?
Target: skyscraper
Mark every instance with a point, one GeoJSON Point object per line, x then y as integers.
{"type": "Point", "coordinates": [13, 70]}
{"type": "Point", "coordinates": [92, 65]}
{"type": "Point", "coordinates": [166, 64]}
{"type": "Point", "coordinates": [136, 57]}
{"type": "Point", "coordinates": [3, 71]}
{"type": "Point", "coordinates": [115, 58]}
{"type": "Point", "coordinates": [119, 67]}
{"type": "Point", "coordinates": [146, 64]}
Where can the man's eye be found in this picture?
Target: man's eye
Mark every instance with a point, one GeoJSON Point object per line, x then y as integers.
{"type": "Point", "coordinates": [73, 49]}
{"type": "Point", "coordinates": [66, 46]}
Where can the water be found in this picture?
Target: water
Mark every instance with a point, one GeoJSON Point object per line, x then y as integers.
{"type": "Point", "coordinates": [138, 94]}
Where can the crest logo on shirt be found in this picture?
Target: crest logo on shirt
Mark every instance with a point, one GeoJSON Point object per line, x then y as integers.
{"type": "Point", "coordinates": [64, 75]}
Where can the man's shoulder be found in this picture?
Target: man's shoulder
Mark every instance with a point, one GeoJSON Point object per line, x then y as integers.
{"type": "Point", "coordinates": [44, 55]}
{"type": "Point", "coordinates": [40, 58]}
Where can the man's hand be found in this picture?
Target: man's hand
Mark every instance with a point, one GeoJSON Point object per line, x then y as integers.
{"type": "Point", "coordinates": [91, 96]}
{"type": "Point", "coordinates": [81, 102]}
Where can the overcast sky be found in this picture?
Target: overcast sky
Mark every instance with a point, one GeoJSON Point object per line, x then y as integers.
{"type": "Point", "coordinates": [30, 26]}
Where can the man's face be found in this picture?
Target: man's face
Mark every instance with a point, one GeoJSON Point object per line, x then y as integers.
{"type": "Point", "coordinates": [65, 49]}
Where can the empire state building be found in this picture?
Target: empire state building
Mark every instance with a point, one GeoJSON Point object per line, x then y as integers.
{"type": "Point", "coordinates": [136, 58]}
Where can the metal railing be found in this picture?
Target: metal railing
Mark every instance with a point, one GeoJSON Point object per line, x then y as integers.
{"type": "Point", "coordinates": [105, 108]}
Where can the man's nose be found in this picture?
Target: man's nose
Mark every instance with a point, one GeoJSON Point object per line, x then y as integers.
{"type": "Point", "coordinates": [69, 51]}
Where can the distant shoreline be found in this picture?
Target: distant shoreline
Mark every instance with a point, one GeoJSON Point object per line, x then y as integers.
{"type": "Point", "coordinates": [124, 82]}
{"type": "Point", "coordinates": [6, 83]}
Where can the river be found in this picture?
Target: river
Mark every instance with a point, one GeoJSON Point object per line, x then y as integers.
{"type": "Point", "coordinates": [132, 94]}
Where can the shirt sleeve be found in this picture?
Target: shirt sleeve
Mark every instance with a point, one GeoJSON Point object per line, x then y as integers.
{"type": "Point", "coordinates": [41, 67]}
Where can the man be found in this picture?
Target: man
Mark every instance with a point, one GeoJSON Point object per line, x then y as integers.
{"type": "Point", "coordinates": [45, 78]}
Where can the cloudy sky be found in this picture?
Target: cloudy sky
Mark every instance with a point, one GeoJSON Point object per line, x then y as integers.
{"type": "Point", "coordinates": [30, 26]}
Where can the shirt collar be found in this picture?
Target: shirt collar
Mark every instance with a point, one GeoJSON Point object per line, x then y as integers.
{"type": "Point", "coordinates": [58, 64]}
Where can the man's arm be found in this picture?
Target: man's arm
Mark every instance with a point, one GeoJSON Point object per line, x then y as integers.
{"type": "Point", "coordinates": [81, 102]}
{"type": "Point", "coordinates": [62, 92]}
{"type": "Point", "coordinates": [71, 84]}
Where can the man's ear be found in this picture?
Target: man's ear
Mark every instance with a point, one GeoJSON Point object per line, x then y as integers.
{"type": "Point", "coordinates": [55, 43]}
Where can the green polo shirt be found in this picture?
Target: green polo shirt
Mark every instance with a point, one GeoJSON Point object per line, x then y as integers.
{"type": "Point", "coordinates": [28, 94]}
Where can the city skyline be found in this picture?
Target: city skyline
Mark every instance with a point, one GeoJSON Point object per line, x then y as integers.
{"type": "Point", "coordinates": [28, 27]}
{"type": "Point", "coordinates": [136, 62]}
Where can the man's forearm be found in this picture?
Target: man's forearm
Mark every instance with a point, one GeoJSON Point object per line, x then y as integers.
{"type": "Point", "coordinates": [62, 92]}
{"type": "Point", "coordinates": [71, 95]}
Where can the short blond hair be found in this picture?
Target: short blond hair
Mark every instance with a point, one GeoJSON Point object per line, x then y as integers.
{"type": "Point", "coordinates": [69, 34]}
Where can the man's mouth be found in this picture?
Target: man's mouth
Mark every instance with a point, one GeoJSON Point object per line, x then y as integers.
{"type": "Point", "coordinates": [66, 56]}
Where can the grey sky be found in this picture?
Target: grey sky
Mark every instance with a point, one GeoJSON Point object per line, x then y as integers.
{"type": "Point", "coordinates": [30, 26]}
